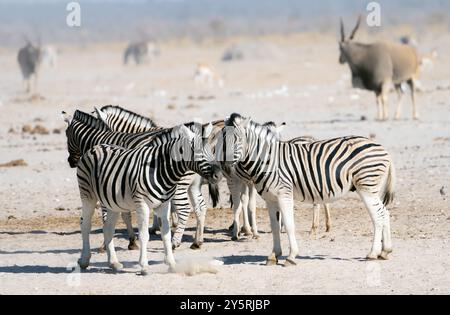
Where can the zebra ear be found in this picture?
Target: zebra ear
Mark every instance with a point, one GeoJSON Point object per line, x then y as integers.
{"type": "Point", "coordinates": [246, 122]}
{"type": "Point", "coordinates": [207, 131]}
{"type": "Point", "coordinates": [101, 115]}
{"type": "Point", "coordinates": [280, 128]}
{"type": "Point", "coordinates": [187, 133]}
{"type": "Point", "coordinates": [66, 117]}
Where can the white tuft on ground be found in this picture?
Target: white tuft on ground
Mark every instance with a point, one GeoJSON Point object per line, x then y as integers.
{"type": "Point", "coordinates": [193, 266]}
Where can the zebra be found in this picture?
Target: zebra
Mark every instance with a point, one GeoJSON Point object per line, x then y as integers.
{"type": "Point", "coordinates": [316, 172]}
{"type": "Point", "coordinates": [141, 178]}
{"type": "Point", "coordinates": [85, 131]}
{"type": "Point", "coordinates": [247, 200]}
{"type": "Point", "coordinates": [29, 58]}
{"type": "Point", "coordinates": [122, 120]}
{"type": "Point", "coordinates": [140, 51]}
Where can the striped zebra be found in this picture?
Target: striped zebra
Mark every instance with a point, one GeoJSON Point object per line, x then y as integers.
{"type": "Point", "coordinates": [85, 131]}
{"type": "Point", "coordinates": [122, 120]}
{"type": "Point", "coordinates": [247, 200]}
{"type": "Point", "coordinates": [316, 172]}
{"type": "Point", "coordinates": [141, 178]}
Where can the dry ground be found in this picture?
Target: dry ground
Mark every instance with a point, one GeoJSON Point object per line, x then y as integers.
{"type": "Point", "coordinates": [304, 86]}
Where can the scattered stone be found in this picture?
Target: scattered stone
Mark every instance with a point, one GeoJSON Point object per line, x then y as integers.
{"type": "Point", "coordinates": [11, 217]}
{"type": "Point", "coordinates": [14, 163]}
{"type": "Point", "coordinates": [363, 118]}
{"type": "Point", "coordinates": [171, 106]}
{"type": "Point", "coordinates": [60, 209]}
{"type": "Point", "coordinates": [27, 129]}
{"type": "Point", "coordinates": [57, 131]}
{"type": "Point", "coordinates": [39, 129]}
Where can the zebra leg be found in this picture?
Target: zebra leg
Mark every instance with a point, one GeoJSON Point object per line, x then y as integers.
{"type": "Point", "coordinates": [386, 236]}
{"type": "Point", "coordinates": [315, 220]}
{"type": "Point", "coordinates": [272, 259]}
{"type": "Point", "coordinates": [246, 229]}
{"type": "Point", "coordinates": [327, 217]}
{"type": "Point", "coordinates": [102, 248]}
{"type": "Point", "coordinates": [181, 203]}
{"type": "Point", "coordinates": [252, 208]}
{"type": "Point", "coordinates": [143, 212]}
{"type": "Point", "coordinates": [164, 214]}
{"type": "Point", "coordinates": [126, 217]}
{"type": "Point", "coordinates": [174, 217]}
{"type": "Point", "coordinates": [377, 214]}
{"type": "Point", "coordinates": [88, 206]}
{"type": "Point", "coordinates": [155, 225]}
{"type": "Point", "coordinates": [236, 187]}
{"type": "Point", "coordinates": [200, 209]}
{"type": "Point", "coordinates": [108, 234]}
{"type": "Point", "coordinates": [286, 206]}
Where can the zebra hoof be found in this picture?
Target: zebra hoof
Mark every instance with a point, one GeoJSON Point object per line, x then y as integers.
{"type": "Point", "coordinates": [144, 272]}
{"type": "Point", "coordinates": [271, 262]}
{"type": "Point", "coordinates": [152, 231]}
{"type": "Point", "coordinates": [256, 236]}
{"type": "Point", "coordinates": [384, 255]}
{"type": "Point", "coordinates": [132, 245]}
{"type": "Point", "coordinates": [372, 256]}
{"type": "Point", "coordinates": [83, 265]}
{"type": "Point", "coordinates": [195, 246]}
{"type": "Point", "coordinates": [235, 238]}
{"type": "Point", "coordinates": [116, 267]}
{"type": "Point", "coordinates": [289, 262]}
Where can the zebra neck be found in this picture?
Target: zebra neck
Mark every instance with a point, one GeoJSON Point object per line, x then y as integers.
{"type": "Point", "coordinates": [261, 161]}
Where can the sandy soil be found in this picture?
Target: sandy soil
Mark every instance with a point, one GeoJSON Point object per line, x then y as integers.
{"type": "Point", "coordinates": [304, 86]}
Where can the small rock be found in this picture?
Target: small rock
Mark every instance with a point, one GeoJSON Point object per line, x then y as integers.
{"type": "Point", "coordinates": [171, 106]}
{"type": "Point", "coordinates": [11, 217]}
{"type": "Point", "coordinates": [363, 118]}
{"type": "Point", "coordinates": [14, 163]}
{"type": "Point", "coordinates": [57, 131]}
{"type": "Point", "coordinates": [60, 208]}
{"type": "Point", "coordinates": [26, 129]}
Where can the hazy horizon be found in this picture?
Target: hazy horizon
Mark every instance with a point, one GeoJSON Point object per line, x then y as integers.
{"type": "Point", "coordinates": [109, 20]}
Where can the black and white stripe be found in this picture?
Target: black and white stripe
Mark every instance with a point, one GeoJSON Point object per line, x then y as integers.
{"type": "Point", "coordinates": [123, 120]}
{"type": "Point", "coordinates": [316, 172]}
{"type": "Point", "coordinates": [141, 178]}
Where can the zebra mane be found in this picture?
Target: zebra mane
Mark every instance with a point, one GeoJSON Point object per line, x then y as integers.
{"type": "Point", "coordinates": [89, 120]}
{"type": "Point", "coordinates": [261, 130]}
{"type": "Point", "coordinates": [118, 111]}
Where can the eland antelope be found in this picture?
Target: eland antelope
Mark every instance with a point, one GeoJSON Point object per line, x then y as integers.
{"type": "Point", "coordinates": [376, 66]}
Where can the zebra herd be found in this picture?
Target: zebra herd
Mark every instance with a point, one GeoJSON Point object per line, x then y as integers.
{"type": "Point", "coordinates": [128, 163]}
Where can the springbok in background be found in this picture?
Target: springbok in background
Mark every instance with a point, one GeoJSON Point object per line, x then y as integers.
{"type": "Point", "coordinates": [376, 66]}
{"type": "Point", "coordinates": [29, 58]}
{"type": "Point", "coordinates": [140, 52]}
{"type": "Point", "coordinates": [206, 75]}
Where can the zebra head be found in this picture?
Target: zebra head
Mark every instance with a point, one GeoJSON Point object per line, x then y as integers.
{"type": "Point", "coordinates": [72, 144]}
{"type": "Point", "coordinates": [193, 150]}
{"type": "Point", "coordinates": [244, 140]}
{"type": "Point", "coordinates": [231, 146]}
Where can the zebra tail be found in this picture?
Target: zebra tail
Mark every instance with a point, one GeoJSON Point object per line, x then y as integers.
{"type": "Point", "coordinates": [214, 193]}
{"type": "Point", "coordinates": [388, 193]}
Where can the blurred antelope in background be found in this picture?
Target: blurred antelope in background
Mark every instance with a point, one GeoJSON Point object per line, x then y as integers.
{"type": "Point", "coordinates": [29, 58]}
{"type": "Point", "coordinates": [140, 52]}
{"type": "Point", "coordinates": [376, 66]}
{"type": "Point", "coordinates": [206, 75]}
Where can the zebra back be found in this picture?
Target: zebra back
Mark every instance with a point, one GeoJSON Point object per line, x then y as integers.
{"type": "Point", "coordinates": [123, 120]}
